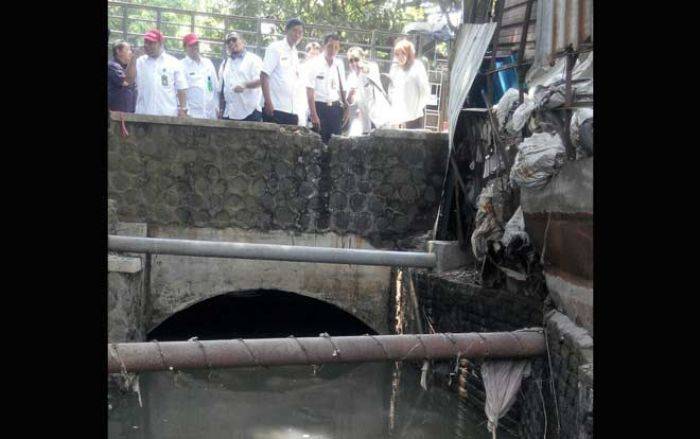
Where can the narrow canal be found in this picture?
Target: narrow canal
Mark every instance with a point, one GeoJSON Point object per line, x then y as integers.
{"type": "Point", "coordinates": [371, 400]}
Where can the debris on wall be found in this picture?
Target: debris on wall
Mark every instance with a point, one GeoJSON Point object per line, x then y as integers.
{"type": "Point", "coordinates": [492, 213]}
{"type": "Point", "coordinates": [539, 158]}
{"type": "Point", "coordinates": [582, 132]}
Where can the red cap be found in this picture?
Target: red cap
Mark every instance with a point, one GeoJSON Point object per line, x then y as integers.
{"type": "Point", "coordinates": [190, 39]}
{"type": "Point", "coordinates": [154, 35]}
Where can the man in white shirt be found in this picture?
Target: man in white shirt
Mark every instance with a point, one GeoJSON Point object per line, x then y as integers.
{"type": "Point", "coordinates": [240, 81]}
{"type": "Point", "coordinates": [325, 89]}
{"type": "Point", "coordinates": [280, 76]}
{"type": "Point", "coordinates": [313, 49]}
{"type": "Point", "coordinates": [160, 79]}
{"type": "Point", "coordinates": [203, 91]}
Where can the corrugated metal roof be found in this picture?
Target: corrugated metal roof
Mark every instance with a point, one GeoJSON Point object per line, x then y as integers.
{"type": "Point", "coordinates": [561, 23]}
{"type": "Point", "coordinates": [470, 47]}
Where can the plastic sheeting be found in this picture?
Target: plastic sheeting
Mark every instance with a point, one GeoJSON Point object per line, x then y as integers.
{"type": "Point", "coordinates": [550, 97]}
{"type": "Point", "coordinates": [520, 116]}
{"type": "Point", "coordinates": [506, 105]}
{"type": "Point", "coordinates": [488, 224]}
{"type": "Point", "coordinates": [470, 47]}
{"type": "Point", "coordinates": [581, 130]}
{"type": "Point", "coordinates": [515, 229]}
{"type": "Point", "coordinates": [548, 75]}
{"type": "Point", "coordinates": [539, 157]}
{"type": "Point", "coordinates": [486, 228]}
{"type": "Point", "coordinates": [502, 379]}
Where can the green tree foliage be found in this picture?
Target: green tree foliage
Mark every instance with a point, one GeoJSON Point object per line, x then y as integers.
{"type": "Point", "coordinates": [352, 19]}
{"type": "Point", "coordinates": [386, 15]}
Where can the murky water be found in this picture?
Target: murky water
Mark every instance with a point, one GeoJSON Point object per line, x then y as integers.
{"type": "Point", "coordinates": [372, 400]}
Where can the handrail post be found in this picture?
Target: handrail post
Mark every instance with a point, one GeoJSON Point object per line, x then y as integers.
{"type": "Point", "coordinates": [260, 40]}
{"type": "Point", "coordinates": [125, 17]}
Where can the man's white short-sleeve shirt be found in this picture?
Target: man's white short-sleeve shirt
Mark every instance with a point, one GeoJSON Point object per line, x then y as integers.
{"type": "Point", "coordinates": [281, 64]}
{"type": "Point", "coordinates": [326, 79]}
{"type": "Point", "coordinates": [237, 71]}
{"type": "Point", "coordinates": [157, 82]}
{"type": "Point", "coordinates": [203, 91]}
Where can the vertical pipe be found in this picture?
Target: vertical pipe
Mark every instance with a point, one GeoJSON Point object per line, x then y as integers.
{"type": "Point", "coordinates": [260, 38]}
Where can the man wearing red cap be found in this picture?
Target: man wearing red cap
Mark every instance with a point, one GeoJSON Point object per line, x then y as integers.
{"type": "Point", "coordinates": [160, 79]}
{"type": "Point", "coordinates": [203, 91]}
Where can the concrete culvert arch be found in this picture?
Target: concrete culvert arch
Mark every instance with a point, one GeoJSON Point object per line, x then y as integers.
{"type": "Point", "coordinates": [258, 314]}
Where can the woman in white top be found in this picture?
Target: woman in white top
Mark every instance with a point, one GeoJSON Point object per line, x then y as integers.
{"type": "Point", "coordinates": [410, 89]}
{"type": "Point", "coordinates": [365, 93]}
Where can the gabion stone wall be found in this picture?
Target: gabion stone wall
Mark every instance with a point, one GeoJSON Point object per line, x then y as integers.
{"type": "Point", "coordinates": [571, 353]}
{"type": "Point", "coordinates": [218, 174]}
{"type": "Point", "coordinates": [454, 303]}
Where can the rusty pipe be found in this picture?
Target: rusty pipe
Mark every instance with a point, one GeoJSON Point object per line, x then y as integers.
{"type": "Point", "coordinates": [154, 356]}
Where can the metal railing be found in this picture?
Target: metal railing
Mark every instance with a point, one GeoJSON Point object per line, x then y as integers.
{"type": "Point", "coordinates": [270, 252]}
{"type": "Point", "coordinates": [125, 21]}
{"type": "Point", "coordinates": [129, 22]}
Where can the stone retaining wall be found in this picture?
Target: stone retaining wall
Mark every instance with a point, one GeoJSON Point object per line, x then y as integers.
{"type": "Point", "coordinates": [224, 174]}
{"type": "Point", "coordinates": [571, 353]}
{"type": "Point", "coordinates": [454, 303]}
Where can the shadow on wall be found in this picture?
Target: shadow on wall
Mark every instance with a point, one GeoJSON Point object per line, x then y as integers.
{"type": "Point", "coordinates": [258, 314]}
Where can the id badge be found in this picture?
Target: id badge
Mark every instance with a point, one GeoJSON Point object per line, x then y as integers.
{"type": "Point", "coordinates": [164, 79]}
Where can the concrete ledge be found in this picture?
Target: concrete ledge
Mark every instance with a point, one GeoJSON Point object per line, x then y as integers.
{"type": "Point", "coordinates": [575, 300]}
{"type": "Point", "coordinates": [576, 335]}
{"type": "Point", "coordinates": [394, 133]}
{"type": "Point", "coordinates": [189, 121]}
{"type": "Point", "coordinates": [449, 255]}
{"type": "Point", "coordinates": [132, 229]}
{"type": "Point", "coordinates": [122, 264]}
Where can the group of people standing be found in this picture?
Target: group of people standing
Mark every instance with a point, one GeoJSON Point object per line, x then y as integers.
{"type": "Point", "coordinates": [280, 88]}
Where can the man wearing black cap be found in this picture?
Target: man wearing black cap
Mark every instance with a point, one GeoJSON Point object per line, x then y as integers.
{"type": "Point", "coordinates": [280, 76]}
{"type": "Point", "coordinates": [240, 75]}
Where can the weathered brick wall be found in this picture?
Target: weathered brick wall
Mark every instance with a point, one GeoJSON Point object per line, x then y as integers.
{"type": "Point", "coordinates": [453, 303]}
{"type": "Point", "coordinates": [220, 174]}
{"type": "Point", "coordinates": [571, 354]}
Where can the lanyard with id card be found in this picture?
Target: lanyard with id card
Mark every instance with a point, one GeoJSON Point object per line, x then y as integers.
{"type": "Point", "coordinates": [164, 78]}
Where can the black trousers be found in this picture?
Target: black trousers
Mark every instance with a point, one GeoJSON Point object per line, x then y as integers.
{"type": "Point", "coordinates": [282, 118]}
{"type": "Point", "coordinates": [255, 116]}
{"type": "Point", "coordinates": [331, 117]}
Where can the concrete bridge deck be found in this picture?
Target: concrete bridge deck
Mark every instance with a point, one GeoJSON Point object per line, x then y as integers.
{"type": "Point", "coordinates": [268, 184]}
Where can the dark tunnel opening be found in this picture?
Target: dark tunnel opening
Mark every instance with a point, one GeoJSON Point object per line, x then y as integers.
{"type": "Point", "coordinates": [258, 314]}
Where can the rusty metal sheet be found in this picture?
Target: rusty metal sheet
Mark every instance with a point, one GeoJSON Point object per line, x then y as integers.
{"type": "Point", "coordinates": [568, 243]}
{"type": "Point", "coordinates": [561, 23]}
{"type": "Point", "coordinates": [470, 47]}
